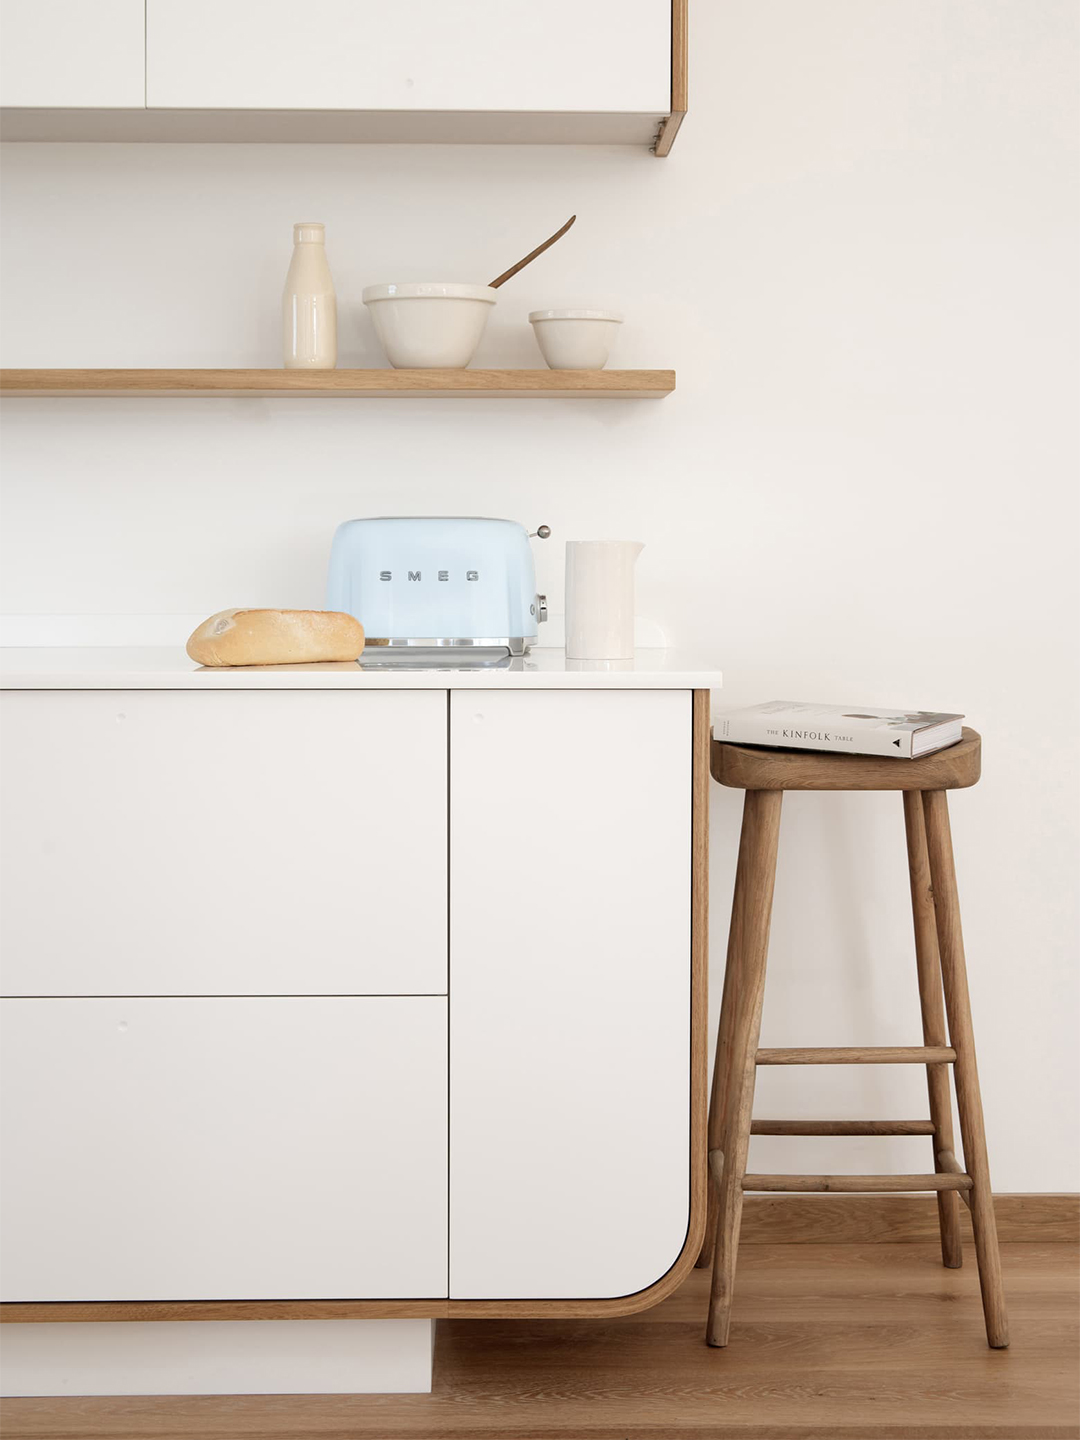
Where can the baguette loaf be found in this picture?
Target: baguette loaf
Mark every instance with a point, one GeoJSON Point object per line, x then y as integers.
{"type": "Point", "coordinates": [276, 637]}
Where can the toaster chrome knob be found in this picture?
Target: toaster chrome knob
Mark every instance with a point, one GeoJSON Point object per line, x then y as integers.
{"type": "Point", "coordinates": [541, 608]}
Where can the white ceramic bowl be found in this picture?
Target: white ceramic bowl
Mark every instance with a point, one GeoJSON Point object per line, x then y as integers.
{"type": "Point", "coordinates": [429, 326]}
{"type": "Point", "coordinates": [575, 339]}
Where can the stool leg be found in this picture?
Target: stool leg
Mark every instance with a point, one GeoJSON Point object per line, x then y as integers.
{"type": "Point", "coordinates": [718, 1097]}
{"type": "Point", "coordinates": [968, 1099]}
{"type": "Point", "coordinates": [748, 947]}
{"type": "Point", "coordinates": [933, 1017]}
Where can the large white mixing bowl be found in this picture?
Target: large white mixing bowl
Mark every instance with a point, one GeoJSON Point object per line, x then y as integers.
{"type": "Point", "coordinates": [429, 325]}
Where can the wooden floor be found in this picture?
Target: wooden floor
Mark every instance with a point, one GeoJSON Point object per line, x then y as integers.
{"type": "Point", "coordinates": [835, 1342]}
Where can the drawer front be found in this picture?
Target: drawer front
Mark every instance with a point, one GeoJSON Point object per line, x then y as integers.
{"type": "Point", "coordinates": [234, 843]}
{"type": "Point", "coordinates": [224, 1148]}
{"type": "Point", "coordinates": [487, 55]}
{"type": "Point", "coordinates": [569, 992]}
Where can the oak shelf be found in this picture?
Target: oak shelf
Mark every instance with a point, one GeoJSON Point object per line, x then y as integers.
{"type": "Point", "coordinates": [346, 384]}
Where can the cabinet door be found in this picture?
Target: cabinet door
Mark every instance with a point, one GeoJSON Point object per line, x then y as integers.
{"type": "Point", "coordinates": [224, 1149]}
{"type": "Point", "coordinates": [230, 843]}
{"type": "Point", "coordinates": [88, 54]}
{"type": "Point", "coordinates": [502, 55]}
{"type": "Point", "coordinates": [570, 991]}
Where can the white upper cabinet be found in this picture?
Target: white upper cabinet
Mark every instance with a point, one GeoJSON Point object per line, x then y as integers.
{"type": "Point", "coordinates": [86, 54]}
{"type": "Point", "coordinates": [238, 843]}
{"type": "Point", "coordinates": [609, 72]}
{"type": "Point", "coordinates": [412, 55]}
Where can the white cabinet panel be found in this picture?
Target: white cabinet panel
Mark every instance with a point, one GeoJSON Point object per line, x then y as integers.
{"type": "Point", "coordinates": [230, 843]}
{"type": "Point", "coordinates": [570, 991]}
{"type": "Point", "coordinates": [72, 53]}
{"type": "Point", "coordinates": [224, 1149]}
{"type": "Point", "coordinates": [471, 55]}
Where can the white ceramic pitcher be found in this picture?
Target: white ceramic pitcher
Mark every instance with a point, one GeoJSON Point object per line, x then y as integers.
{"type": "Point", "coordinates": [600, 599]}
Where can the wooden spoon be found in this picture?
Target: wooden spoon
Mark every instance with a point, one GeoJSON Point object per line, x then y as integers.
{"type": "Point", "coordinates": [532, 254]}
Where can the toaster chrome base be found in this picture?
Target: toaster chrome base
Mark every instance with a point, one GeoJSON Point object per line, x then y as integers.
{"type": "Point", "coordinates": [514, 645]}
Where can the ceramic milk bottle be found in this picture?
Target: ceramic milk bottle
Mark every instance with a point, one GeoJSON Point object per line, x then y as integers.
{"type": "Point", "coordinates": [600, 599]}
{"type": "Point", "coordinates": [309, 305]}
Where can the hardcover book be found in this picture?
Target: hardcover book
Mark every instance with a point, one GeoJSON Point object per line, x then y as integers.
{"type": "Point", "coordinates": [854, 729]}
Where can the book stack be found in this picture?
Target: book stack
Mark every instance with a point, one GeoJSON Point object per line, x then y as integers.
{"type": "Point", "coordinates": [851, 729]}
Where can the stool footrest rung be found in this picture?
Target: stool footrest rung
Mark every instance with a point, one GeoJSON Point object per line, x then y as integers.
{"type": "Point", "coordinates": [842, 1127]}
{"type": "Point", "coordinates": [860, 1055]}
{"type": "Point", "coordinates": [856, 1184]}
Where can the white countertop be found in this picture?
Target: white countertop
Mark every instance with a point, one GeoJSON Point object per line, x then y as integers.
{"type": "Point", "coordinates": [129, 668]}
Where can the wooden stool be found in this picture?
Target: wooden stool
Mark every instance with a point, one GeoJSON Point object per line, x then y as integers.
{"type": "Point", "coordinates": [939, 952]}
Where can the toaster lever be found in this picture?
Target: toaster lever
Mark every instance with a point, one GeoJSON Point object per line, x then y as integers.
{"type": "Point", "coordinates": [541, 608]}
{"type": "Point", "coordinates": [540, 533]}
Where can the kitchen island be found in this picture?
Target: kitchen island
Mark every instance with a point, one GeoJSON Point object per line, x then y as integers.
{"type": "Point", "coordinates": [350, 993]}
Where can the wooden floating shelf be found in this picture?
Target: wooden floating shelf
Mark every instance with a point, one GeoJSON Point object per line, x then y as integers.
{"type": "Point", "coordinates": [347, 384]}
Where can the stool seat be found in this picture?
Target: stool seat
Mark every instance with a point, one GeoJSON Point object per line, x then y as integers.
{"type": "Point", "coordinates": [751, 767]}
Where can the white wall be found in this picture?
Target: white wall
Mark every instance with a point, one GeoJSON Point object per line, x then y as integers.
{"type": "Point", "coordinates": [859, 258]}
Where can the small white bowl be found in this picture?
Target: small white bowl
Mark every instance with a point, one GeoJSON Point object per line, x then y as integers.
{"type": "Point", "coordinates": [429, 326]}
{"type": "Point", "coordinates": [575, 339]}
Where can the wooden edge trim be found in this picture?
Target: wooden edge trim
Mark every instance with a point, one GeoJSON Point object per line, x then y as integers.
{"type": "Point", "coordinates": [669, 127]}
{"type": "Point", "coordinates": [59, 1311]}
{"type": "Point", "coordinates": [64, 1311]}
{"type": "Point", "coordinates": [665, 136]}
{"type": "Point", "coordinates": [680, 35]}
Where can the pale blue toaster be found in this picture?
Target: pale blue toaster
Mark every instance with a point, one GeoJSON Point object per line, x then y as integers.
{"type": "Point", "coordinates": [439, 582]}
